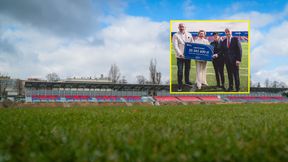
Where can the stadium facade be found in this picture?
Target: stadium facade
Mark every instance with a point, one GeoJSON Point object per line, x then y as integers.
{"type": "Point", "coordinates": [97, 91]}
{"type": "Point", "coordinates": [43, 91]}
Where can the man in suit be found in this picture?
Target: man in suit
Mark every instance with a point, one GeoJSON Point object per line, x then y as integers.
{"type": "Point", "coordinates": [232, 51]}
{"type": "Point", "coordinates": [218, 61]}
{"type": "Point", "coordinates": [179, 39]}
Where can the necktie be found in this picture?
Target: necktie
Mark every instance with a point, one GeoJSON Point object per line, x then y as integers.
{"type": "Point", "coordinates": [228, 42]}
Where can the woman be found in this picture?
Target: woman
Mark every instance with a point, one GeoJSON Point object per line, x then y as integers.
{"type": "Point", "coordinates": [201, 65]}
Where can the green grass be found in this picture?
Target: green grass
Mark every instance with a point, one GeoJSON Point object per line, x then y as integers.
{"type": "Point", "coordinates": [210, 70]}
{"type": "Point", "coordinates": [250, 132]}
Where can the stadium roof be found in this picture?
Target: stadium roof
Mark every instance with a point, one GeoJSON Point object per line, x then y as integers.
{"type": "Point", "coordinates": [127, 87]}
{"type": "Point", "coordinates": [118, 86]}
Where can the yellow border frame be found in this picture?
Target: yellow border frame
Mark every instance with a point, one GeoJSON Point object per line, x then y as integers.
{"type": "Point", "coordinates": [248, 92]}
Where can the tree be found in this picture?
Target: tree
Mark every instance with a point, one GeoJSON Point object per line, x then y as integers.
{"type": "Point", "coordinates": [158, 78]}
{"type": "Point", "coordinates": [114, 73]}
{"type": "Point", "coordinates": [155, 76]}
{"type": "Point", "coordinates": [52, 77]}
{"type": "Point", "coordinates": [140, 79]}
{"type": "Point", "coordinates": [267, 83]}
{"type": "Point", "coordinates": [153, 70]}
{"type": "Point", "coordinates": [123, 80]}
{"type": "Point", "coordinates": [282, 85]}
{"type": "Point", "coordinates": [275, 84]}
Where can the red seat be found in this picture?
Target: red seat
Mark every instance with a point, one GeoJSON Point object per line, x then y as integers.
{"type": "Point", "coordinates": [166, 98]}
{"type": "Point", "coordinates": [209, 98]}
{"type": "Point", "coordinates": [188, 98]}
{"type": "Point", "coordinates": [109, 98]}
{"type": "Point", "coordinates": [132, 98]}
{"type": "Point", "coordinates": [256, 98]}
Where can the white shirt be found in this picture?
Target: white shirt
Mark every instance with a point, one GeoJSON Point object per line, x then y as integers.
{"type": "Point", "coordinates": [202, 41]}
{"type": "Point", "coordinates": [179, 39]}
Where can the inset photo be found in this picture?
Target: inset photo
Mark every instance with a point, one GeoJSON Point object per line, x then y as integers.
{"type": "Point", "coordinates": [209, 56]}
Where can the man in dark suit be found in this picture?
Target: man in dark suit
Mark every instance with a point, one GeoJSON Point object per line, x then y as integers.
{"type": "Point", "coordinates": [218, 61]}
{"type": "Point", "coordinates": [232, 51]}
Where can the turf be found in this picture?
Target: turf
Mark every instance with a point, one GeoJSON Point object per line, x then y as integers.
{"type": "Point", "coordinates": [211, 80]}
{"type": "Point", "coordinates": [252, 132]}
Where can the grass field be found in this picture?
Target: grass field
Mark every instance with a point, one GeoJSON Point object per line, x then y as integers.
{"type": "Point", "coordinates": [211, 74]}
{"type": "Point", "coordinates": [252, 132]}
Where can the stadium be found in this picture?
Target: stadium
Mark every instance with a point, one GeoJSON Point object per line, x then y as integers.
{"type": "Point", "coordinates": [57, 102]}
{"type": "Point", "coordinates": [84, 119]}
{"type": "Point", "coordinates": [95, 93]}
{"type": "Point", "coordinates": [134, 93]}
{"type": "Point", "coordinates": [105, 92]}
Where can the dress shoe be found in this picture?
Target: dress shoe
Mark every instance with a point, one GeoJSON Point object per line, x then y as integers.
{"type": "Point", "coordinates": [204, 85]}
{"type": "Point", "coordinates": [230, 89]}
{"type": "Point", "coordinates": [188, 83]}
{"type": "Point", "coordinates": [179, 89]}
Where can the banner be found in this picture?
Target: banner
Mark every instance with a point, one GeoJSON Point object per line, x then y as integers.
{"type": "Point", "coordinates": [199, 52]}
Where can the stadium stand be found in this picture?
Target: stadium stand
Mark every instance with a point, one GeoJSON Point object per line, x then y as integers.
{"type": "Point", "coordinates": [257, 98]}
{"type": "Point", "coordinates": [108, 99]}
{"type": "Point", "coordinates": [128, 94]}
{"type": "Point", "coordinates": [189, 98]}
{"type": "Point", "coordinates": [166, 98]}
{"type": "Point", "coordinates": [132, 98]}
{"type": "Point", "coordinates": [210, 98]}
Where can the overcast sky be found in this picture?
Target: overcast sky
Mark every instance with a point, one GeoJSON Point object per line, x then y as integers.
{"type": "Point", "coordinates": [84, 37]}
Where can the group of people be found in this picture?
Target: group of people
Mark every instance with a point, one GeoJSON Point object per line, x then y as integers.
{"type": "Point", "coordinates": [226, 52]}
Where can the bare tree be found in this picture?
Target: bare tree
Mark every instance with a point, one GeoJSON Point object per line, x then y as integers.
{"type": "Point", "coordinates": [267, 83]}
{"type": "Point", "coordinates": [114, 73]}
{"type": "Point", "coordinates": [282, 85]}
{"type": "Point", "coordinates": [153, 70]}
{"type": "Point", "coordinates": [52, 77]}
{"type": "Point", "coordinates": [140, 79]}
{"type": "Point", "coordinates": [258, 85]}
{"type": "Point", "coordinates": [123, 80]}
{"type": "Point", "coordinates": [158, 78]}
{"type": "Point", "coordinates": [275, 84]}
{"type": "Point", "coordinates": [155, 76]}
